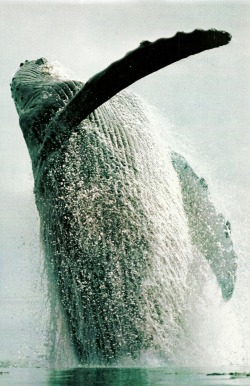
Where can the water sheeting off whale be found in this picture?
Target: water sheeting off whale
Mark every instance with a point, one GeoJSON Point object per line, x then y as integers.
{"type": "Point", "coordinates": [116, 214]}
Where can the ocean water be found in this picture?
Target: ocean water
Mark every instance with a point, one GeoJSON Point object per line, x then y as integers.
{"type": "Point", "coordinates": [167, 376]}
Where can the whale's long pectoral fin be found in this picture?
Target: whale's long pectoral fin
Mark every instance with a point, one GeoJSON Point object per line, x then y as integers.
{"type": "Point", "coordinates": [144, 60]}
{"type": "Point", "coordinates": [209, 231]}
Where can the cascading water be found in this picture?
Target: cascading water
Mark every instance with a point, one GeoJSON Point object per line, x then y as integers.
{"type": "Point", "coordinates": [123, 269]}
{"type": "Point", "coordinates": [213, 330]}
{"type": "Point", "coordinates": [141, 277]}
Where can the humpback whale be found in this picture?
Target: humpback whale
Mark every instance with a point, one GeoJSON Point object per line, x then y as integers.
{"type": "Point", "coordinates": [122, 217]}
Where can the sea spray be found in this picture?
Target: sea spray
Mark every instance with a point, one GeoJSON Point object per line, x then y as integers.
{"type": "Point", "coordinates": [116, 235]}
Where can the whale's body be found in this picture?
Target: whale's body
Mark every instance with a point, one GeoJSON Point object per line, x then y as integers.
{"type": "Point", "coordinates": [109, 214]}
{"type": "Point", "coordinates": [118, 224]}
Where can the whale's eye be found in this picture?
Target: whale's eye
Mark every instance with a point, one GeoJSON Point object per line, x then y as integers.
{"type": "Point", "coordinates": [21, 64]}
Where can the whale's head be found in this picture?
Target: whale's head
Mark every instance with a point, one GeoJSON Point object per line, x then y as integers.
{"type": "Point", "coordinates": [40, 91]}
{"type": "Point", "coordinates": [29, 82]}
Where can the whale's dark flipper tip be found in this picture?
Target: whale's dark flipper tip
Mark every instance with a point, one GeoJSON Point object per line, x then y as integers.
{"type": "Point", "coordinates": [222, 37]}
{"type": "Point", "coordinates": [214, 38]}
{"type": "Point", "coordinates": [200, 40]}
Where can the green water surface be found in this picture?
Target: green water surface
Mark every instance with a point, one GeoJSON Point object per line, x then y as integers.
{"type": "Point", "coordinates": [125, 376]}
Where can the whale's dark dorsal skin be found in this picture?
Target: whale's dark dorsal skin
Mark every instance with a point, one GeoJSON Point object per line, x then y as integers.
{"type": "Point", "coordinates": [105, 228]}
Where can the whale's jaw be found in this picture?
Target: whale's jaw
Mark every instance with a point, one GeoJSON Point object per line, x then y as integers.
{"type": "Point", "coordinates": [40, 92]}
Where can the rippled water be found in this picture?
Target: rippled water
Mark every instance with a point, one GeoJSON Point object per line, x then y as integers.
{"type": "Point", "coordinates": [125, 376]}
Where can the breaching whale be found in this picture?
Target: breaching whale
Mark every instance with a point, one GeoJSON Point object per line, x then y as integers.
{"type": "Point", "coordinates": [121, 216]}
